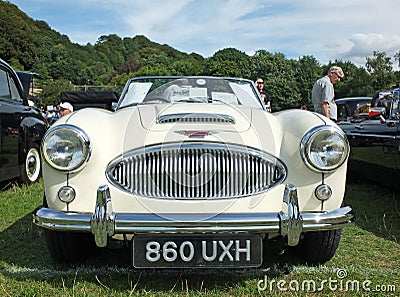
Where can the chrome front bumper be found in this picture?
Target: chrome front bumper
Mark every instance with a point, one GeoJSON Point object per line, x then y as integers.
{"type": "Point", "coordinates": [104, 223]}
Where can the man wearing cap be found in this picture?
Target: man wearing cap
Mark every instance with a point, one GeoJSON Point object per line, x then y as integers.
{"type": "Point", "coordinates": [323, 94]}
{"type": "Point", "coordinates": [66, 108]}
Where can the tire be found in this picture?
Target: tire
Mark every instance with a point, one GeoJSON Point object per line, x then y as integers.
{"type": "Point", "coordinates": [31, 170]}
{"type": "Point", "coordinates": [69, 247]}
{"type": "Point", "coordinates": [320, 246]}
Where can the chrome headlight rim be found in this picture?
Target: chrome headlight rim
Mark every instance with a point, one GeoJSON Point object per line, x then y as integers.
{"type": "Point", "coordinates": [309, 137]}
{"type": "Point", "coordinates": [83, 138]}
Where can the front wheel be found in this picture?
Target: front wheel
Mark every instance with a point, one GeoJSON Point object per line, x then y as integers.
{"type": "Point", "coordinates": [31, 169]}
{"type": "Point", "coordinates": [320, 246]}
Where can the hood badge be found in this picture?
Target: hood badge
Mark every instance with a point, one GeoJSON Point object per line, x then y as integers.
{"type": "Point", "coordinates": [195, 133]}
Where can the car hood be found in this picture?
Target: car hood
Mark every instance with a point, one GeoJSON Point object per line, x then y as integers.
{"type": "Point", "coordinates": [195, 116]}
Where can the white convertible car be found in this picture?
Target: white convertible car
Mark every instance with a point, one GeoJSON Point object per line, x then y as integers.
{"type": "Point", "coordinates": [193, 172]}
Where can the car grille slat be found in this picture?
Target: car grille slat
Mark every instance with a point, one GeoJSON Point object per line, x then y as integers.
{"type": "Point", "coordinates": [196, 171]}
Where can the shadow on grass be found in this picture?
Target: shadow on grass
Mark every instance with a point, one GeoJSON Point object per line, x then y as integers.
{"type": "Point", "coordinates": [24, 256]}
{"type": "Point", "coordinates": [6, 185]}
{"type": "Point", "coordinates": [377, 209]}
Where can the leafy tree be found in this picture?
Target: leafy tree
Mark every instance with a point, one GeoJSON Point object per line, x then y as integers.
{"type": "Point", "coordinates": [264, 63]}
{"type": "Point", "coordinates": [279, 79]}
{"type": "Point", "coordinates": [353, 84]}
{"type": "Point", "coordinates": [121, 79]}
{"type": "Point", "coordinates": [222, 68]}
{"type": "Point", "coordinates": [131, 65]}
{"type": "Point", "coordinates": [16, 35]}
{"type": "Point", "coordinates": [152, 71]}
{"type": "Point", "coordinates": [185, 67]}
{"type": "Point", "coordinates": [397, 57]}
{"type": "Point", "coordinates": [96, 74]}
{"type": "Point", "coordinates": [228, 62]}
{"type": "Point", "coordinates": [284, 92]}
{"type": "Point", "coordinates": [113, 48]}
{"type": "Point", "coordinates": [306, 71]}
{"type": "Point", "coordinates": [52, 91]}
{"type": "Point", "coordinates": [380, 68]}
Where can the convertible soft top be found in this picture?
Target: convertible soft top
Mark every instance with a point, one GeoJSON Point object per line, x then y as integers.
{"type": "Point", "coordinates": [82, 99]}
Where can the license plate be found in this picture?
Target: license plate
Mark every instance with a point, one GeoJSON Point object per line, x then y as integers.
{"type": "Point", "coordinates": [197, 250]}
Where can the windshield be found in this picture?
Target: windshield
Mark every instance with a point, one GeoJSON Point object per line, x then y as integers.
{"type": "Point", "coordinates": [156, 90]}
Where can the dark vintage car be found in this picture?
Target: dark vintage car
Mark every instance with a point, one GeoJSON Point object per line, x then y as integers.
{"type": "Point", "coordinates": [375, 146]}
{"type": "Point", "coordinates": [348, 107]}
{"type": "Point", "coordinates": [22, 128]}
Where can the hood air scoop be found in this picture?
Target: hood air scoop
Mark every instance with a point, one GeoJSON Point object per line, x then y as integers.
{"type": "Point", "coordinates": [195, 118]}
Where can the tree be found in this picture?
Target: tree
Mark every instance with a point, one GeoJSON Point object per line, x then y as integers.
{"type": "Point", "coordinates": [279, 79]}
{"type": "Point", "coordinates": [185, 67]}
{"type": "Point", "coordinates": [380, 68]}
{"type": "Point", "coordinates": [306, 71]}
{"type": "Point", "coordinates": [52, 90]}
{"type": "Point", "coordinates": [16, 38]}
{"type": "Point", "coordinates": [353, 84]}
{"type": "Point", "coordinates": [228, 62]}
{"type": "Point", "coordinates": [284, 92]}
{"type": "Point", "coordinates": [397, 57]}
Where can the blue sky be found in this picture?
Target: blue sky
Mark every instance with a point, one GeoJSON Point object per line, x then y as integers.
{"type": "Point", "coordinates": [328, 30]}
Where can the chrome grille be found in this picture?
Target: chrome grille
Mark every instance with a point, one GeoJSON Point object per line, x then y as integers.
{"type": "Point", "coordinates": [196, 171]}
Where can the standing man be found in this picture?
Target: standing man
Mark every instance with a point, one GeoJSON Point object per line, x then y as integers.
{"type": "Point", "coordinates": [266, 97]}
{"type": "Point", "coordinates": [323, 94]}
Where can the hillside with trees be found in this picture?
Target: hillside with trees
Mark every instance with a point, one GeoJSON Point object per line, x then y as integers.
{"type": "Point", "coordinates": [31, 45]}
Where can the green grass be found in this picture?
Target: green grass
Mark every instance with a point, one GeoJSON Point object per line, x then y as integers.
{"type": "Point", "coordinates": [369, 251]}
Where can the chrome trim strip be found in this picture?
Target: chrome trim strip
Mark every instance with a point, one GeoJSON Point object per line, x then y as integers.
{"type": "Point", "coordinates": [178, 223]}
{"type": "Point", "coordinates": [289, 222]}
{"type": "Point", "coordinates": [371, 135]}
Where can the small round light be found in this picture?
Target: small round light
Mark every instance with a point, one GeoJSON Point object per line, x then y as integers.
{"type": "Point", "coordinates": [323, 192]}
{"type": "Point", "coordinates": [66, 194]}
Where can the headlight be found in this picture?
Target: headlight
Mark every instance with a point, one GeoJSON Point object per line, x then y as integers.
{"type": "Point", "coordinates": [324, 148]}
{"type": "Point", "coordinates": [65, 147]}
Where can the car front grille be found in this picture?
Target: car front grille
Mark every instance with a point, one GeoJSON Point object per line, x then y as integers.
{"type": "Point", "coordinates": [196, 171]}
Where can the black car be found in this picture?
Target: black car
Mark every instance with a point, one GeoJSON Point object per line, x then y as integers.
{"type": "Point", "coordinates": [22, 128]}
{"type": "Point", "coordinates": [375, 146]}
{"type": "Point", "coordinates": [350, 106]}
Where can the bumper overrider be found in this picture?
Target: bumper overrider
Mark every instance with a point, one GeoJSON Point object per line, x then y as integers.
{"type": "Point", "coordinates": [104, 223]}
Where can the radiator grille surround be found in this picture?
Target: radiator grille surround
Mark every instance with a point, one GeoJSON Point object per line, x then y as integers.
{"type": "Point", "coordinates": [194, 170]}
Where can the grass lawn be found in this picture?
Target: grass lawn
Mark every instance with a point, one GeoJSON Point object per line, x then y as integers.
{"type": "Point", "coordinates": [366, 263]}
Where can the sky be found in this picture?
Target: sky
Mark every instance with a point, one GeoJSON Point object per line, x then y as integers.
{"type": "Point", "coordinates": [347, 30]}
